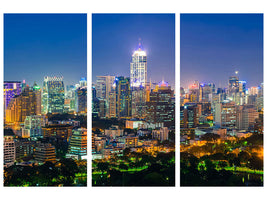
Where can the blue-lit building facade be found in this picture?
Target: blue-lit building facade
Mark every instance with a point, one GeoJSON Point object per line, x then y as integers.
{"type": "Point", "coordinates": [53, 95]}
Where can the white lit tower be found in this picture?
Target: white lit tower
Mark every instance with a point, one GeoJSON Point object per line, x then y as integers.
{"type": "Point", "coordinates": [138, 71]}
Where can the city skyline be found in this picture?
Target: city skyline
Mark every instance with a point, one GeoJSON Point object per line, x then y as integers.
{"type": "Point", "coordinates": [39, 45]}
{"type": "Point", "coordinates": [117, 36]}
{"type": "Point", "coordinates": [225, 42]}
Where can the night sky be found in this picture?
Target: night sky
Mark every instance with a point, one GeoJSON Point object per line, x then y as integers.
{"type": "Point", "coordinates": [38, 45]}
{"type": "Point", "coordinates": [214, 46]}
{"type": "Point", "coordinates": [116, 36]}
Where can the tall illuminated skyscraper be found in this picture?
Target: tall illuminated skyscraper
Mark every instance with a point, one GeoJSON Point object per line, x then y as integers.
{"type": "Point", "coordinates": [53, 95]}
{"type": "Point", "coordinates": [123, 97]}
{"type": "Point", "coordinates": [11, 89]}
{"type": "Point", "coordinates": [138, 72]}
{"type": "Point", "coordinates": [82, 99]}
{"type": "Point", "coordinates": [38, 94]}
{"type": "Point", "coordinates": [21, 106]}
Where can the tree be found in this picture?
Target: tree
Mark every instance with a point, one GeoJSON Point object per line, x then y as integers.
{"type": "Point", "coordinates": [244, 156]}
{"type": "Point", "coordinates": [210, 137]}
{"type": "Point", "coordinates": [103, 166]}
{"type": "Point", "coordinates": [255, 163]}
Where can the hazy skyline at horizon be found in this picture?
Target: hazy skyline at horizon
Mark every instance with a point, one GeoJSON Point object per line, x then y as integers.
{"type": "Point", "coordinates": [214, 46]}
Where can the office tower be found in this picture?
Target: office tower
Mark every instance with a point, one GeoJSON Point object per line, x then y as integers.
{"type": "Point", "coordinates": [78, 143]}
{"type": "Point", "coordinates": [246, 117]}
{"type": "Point", "coordinates": [53, 95]}
{"type": "Point", "coordinates": [191, 115]}
{"type": "Point", "coordinates": [104, 86]}
{"type": "Point", "coordinates": [113, 131]}
{"type": "Point", "coordinates": [161, 107]}
{"type": "Point", "coordinates": [38, 95]}
{"type": "Point", "coordinates": [182, 117]}
{"type": "Point", "coordinates": [138, 68]}
{"type": "Point", "coordinates": [33, 126]}
{"type": "Point", "coordinates": [70, 96]}
{"type": "Point", "coordinates": [194, 93]}
{"type": "Point", "coordinates": [45, 152]}
{"type": "Point", "coordinates": [123, 97]}
{"type": "Point", "coordinates": [25, 148]}
{"type": "Point", "coordinates": [259, 99]}
{"type": "Point", "coordinates": [57, 131]}
{"type": "Point", "coordinates": [131, 141]}
{"type": "Point", "coordinates": [21, 106]}
{"type": "Point", "coordinates": [253, 90]}
{"type": "Point", "coordinates": [112, 103]}
{"type": "Point", "coordinates": [138, 102]}
{"type": "Point", "coordinates": [82, 99]}
{"type": "Point", "coordinates": [83, 82]}
{"type": "Point", "coordinates": [233, 87]}
{"type": "Point", "coordinates": [225, 115]}
{"type": "Point", "coordinates": [161, 134]}
{"type": "Point", "coordinates": [11, 89]}
{"type": "Point", "coordinates": [9, 148]}
{"type": "Point", "coordinates": [23, 85]}
{"type": "Point", "coordinates": [206, 91]}
{"type": "Point", "coordinates": [242, 87]}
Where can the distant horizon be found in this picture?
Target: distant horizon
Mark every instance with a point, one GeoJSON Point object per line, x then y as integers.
{"type": "Point", "coordinates": [214, 46]}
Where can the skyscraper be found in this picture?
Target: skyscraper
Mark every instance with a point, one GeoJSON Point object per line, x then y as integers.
{"type": "Point", "coordinates": [123, 96]}
{"type": "Point", "coordinates": [138, 71]}
{"type": "Point", "coordinates": [161, 107]}
{"type": "Point", "coordinates": [11, 89]}
{"type": "Point", "coordinates": [78, 143]}
{"type": "Point", "coordinates": [53, 95]}
{"type": "Point", "coordinates": [21, 106]}
{"type": "Point", "coordinates": [38, 95]}
{"type": "Point", "coordinates": [82, 99]}
{"type": "Point", "coordinates": [104, 86]}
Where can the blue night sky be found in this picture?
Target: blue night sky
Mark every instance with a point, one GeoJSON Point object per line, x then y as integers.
{"type": "Point", "coordinates": [38, 45]}
{"type": "Point", "coordinates": [116, 36]}
{"type": "Point", "coordinates": [214, 46]}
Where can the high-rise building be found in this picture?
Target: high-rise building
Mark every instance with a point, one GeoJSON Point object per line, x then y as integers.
{"type": "Point", "coordinates": [33, 126]}
{"type": "Point", "coordinates": [161, 133]}
{"type": "Point", "coordinates": [58, 131]}
{"type": "Point", "coordinates": [45, 152]}
{"type": "Point", "coordinates": [9, 148]}
{"type": "Point", "coordinates": [206, 92]}
{"type": "Point", "coordinates": [242, 87]}
{"type": "Point", "coordinates": [112, 103]}
{"type": "Point", "coordinates": [123, 97]}
{"type": "Point", "coordinates": [21, 106]}
{"type": "Point", "coordinates": [233, 86]}
{"type": "Point", "coordinates": [38, 94]}
{"type": "Point", "coordinates": [105, 86]}
{"type": "Point", "coordinates": [191, 115]}
{"type": "Point", "coordinates": [53, 95]}
{"type": "Point", "coordinates": [70, 98]}
{"type": "Point", "coordinates": [138, 67]}
{"type": "Point", "coordinates": [138, 101]}
{"type": "Point", "coordinates": [194, 92]}
{"type": "Point", "coordinates": [161, 107]}
{"type": "Point", "coordinates": [225, 115]}
{"type": "Point", "coordinates": [82, 99]}
{"type": "Point", "coordinates": [11, 89]}
{"type": "Point", "coordinates": [83, 82]}
{"type": "Point", "coordinates": [246, 116]}
{"type": "Point", "coordinates": [78, 143]}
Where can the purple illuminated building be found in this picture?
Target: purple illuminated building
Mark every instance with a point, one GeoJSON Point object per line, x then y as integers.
{"type": "Point", "coordinates": [11, 89]}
